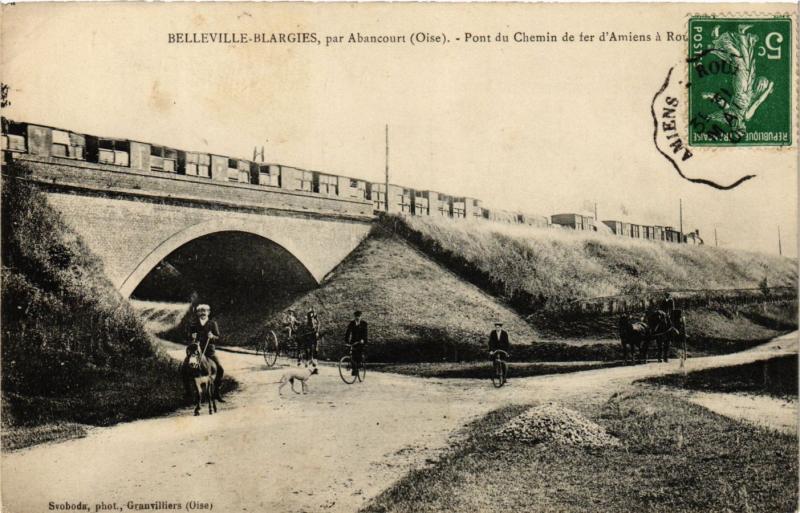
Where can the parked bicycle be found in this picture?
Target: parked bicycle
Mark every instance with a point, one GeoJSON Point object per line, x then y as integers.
{"type": "Point", "coordinates": [346, 368]}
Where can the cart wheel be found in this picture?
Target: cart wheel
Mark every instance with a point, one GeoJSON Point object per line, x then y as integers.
{"type": "Point", "coordinates": [270, 348]}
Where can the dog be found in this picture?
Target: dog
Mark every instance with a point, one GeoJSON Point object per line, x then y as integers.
{"type": "Point", "coordinates": [301, 374]}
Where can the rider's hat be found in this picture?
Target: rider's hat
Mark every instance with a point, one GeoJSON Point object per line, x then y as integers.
{"type": "Point", "coordinates": [498, 323]}
{"type": "Point", "coordinates": [357, 313]}
{"type": "Point", "coordinates": [202, 308]}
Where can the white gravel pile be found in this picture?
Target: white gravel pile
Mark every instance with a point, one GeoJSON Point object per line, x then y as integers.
{"type": "Point", "coordinates": [551, 423]}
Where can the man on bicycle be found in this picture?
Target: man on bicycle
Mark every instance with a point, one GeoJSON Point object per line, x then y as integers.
{"type": "Point", "coordinates": [356, 337]}
{"type": "Point", "coordinates": [498, 341]}
{"type": "Point", "coordinates": [201, 331]}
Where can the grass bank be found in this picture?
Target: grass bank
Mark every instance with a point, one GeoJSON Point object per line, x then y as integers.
{"type": "Point", "coordinates": [484, 370]}
{"type": "Point", "coordinates": [73, 352]}
{"type": "Point", "coordinates": [422, 309]}
{"type": "Point", "coordinates": [416, 309]}
{"type": "Point", "coordinates": [775, 377]}
{"type": "Point", "coordinates": [676, 457]}
{"type": "Point", "coordinates": [539, 268]}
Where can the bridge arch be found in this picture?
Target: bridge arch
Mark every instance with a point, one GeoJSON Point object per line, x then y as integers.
{"type": "Point", "coordinates": [272, 232]}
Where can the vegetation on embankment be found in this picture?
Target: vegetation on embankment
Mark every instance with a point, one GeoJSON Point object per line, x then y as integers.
{"type": "Point", "coordinates": [73, 350]}
{"type": "Point", "coordinates": [675, 456]}
{"type": "Point", "coordinates": [416, 309]}
{"type": "Point", "coordinates": [549, 269]}
{"type": "Point", "coordinates": [485, 370]}
{"type": "Point", "coordinates": [776, 377]}
{"type": "Point", "coordinates": [421, 311]}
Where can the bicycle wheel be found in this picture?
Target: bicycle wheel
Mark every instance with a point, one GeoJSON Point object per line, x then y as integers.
{"type": "Point", "coordinates": [270, 348]}
{"type": "Point", "coordinates": [346, 370]}
{"type": "Point", "coordinates": [498, 379]}
{"type": "Point", "coordinates": [362, 370]}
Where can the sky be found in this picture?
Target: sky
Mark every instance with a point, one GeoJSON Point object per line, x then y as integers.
{"type": "Point", "coordinates": [536, 127]}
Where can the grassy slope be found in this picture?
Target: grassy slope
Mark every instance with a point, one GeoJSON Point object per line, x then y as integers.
{"type": "Point", "coordinates": [73, 350]}
{"type": "Point", "coordinates": [776, 377]}
{"type": "Point", "coordinates": [416, 310]}
{"type": "Point", "coordinates": [539, 270]}
{"type": "Point", "coordinates": [547, 268]}
{"type": "Point", "coordinates": [420, 311]}
{"type": "Point", "coordinates": [678, 457]}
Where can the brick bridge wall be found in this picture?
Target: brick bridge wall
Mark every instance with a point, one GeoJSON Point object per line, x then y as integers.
{"type": "Point", "coordinates": [132, 236]}
{"type": "Point", "coordinates": [134, 219]}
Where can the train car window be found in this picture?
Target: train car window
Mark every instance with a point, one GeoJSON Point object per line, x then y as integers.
{"type": "Point", "coordinates": [60, 137]}
{"type": "Point", "coordinates": [233, 171]}
{"type": "Point", "coordinates": [59, 150]}
{"type": "Point", "coordinates": [329, 184]}
{"type": "Point", "coordinates": [305, 181]}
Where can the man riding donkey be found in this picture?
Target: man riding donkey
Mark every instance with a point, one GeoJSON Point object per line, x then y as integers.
{"type": "Point", "coordinates": [199, 335]}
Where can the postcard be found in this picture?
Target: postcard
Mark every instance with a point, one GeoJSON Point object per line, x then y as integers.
{"type": "Point", "coordinates": [462, 257]}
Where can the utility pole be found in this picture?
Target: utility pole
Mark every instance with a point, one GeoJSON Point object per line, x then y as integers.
{"type": "Point", "coordinates": [257, 153]}
{"type": "Point", "coordinates": [780, 249]}
{"type": "Point", "coordinates": [386, 194]}
{"type": "Point", "coordinates": [715, 237]}
{"type": "Point", "coordinates": [596, 219]}
{"type": "Point", "coordinates": [680, 213]}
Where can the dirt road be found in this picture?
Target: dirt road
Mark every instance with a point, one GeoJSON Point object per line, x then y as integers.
{"type": "Point", "coordinates": [330, 450]}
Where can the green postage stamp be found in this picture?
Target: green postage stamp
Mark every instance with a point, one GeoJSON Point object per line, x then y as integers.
{"type": "Point", "coordinates": [740, 81]}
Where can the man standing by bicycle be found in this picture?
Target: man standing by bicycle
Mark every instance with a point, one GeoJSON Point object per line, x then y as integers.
{"type": "Point", "coordinates": [356, 336]}
{"type": "Point", "coordinates": [312, 337]}
{"type": "Point", "coordinates": [202, 331]}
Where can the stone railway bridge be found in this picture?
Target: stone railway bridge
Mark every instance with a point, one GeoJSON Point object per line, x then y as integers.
{"type": "Point", "coordinates": [133, 220]}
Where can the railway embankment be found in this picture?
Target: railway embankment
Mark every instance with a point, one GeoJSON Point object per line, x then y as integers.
{"type": "Point", "coordinates": [431, 290]}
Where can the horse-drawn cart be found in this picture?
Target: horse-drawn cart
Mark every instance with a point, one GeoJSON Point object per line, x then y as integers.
{"type": "Point", "coordinates": [665, 328]}
{"type": "Point", "coordinates": [292, 346]}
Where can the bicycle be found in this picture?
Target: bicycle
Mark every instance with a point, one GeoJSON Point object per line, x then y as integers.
{"type": "Point", "coordinates": [346, 368]}
{"type": "Point", "coordinates": [499, 368]}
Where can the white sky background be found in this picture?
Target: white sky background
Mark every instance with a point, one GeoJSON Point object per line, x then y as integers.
{"type": "Point", "coordinates": [537, 127]}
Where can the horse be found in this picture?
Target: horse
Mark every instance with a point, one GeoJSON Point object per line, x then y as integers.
{"type": "Point", "coordinates": [661, 330]}
{"type": "Point", "coordinates": [632, 335]}
{"type": "Point", "coordinates": [203, 371]}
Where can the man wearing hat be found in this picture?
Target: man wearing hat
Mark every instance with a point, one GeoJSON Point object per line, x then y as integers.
{"type": "Point", "coordinates": [202, 331]}
{"type": "Point", "coordinates": [356, 336]}
{"type": "Point", "coordinates": [498, 340]}
{"type": "Point", "coordinates": [312, 337]}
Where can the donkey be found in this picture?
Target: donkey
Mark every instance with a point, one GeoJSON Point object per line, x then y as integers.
{"type": "Point", "coordinates": [204, 371]}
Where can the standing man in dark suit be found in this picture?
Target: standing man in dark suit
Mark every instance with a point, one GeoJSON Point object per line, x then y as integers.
{"type": "Point", "coordinates": [356, 336]}
{"type": "Point", "coordinates": [498, 340]}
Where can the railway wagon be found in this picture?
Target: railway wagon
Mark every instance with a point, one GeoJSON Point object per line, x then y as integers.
{"type": "Point", "coordinates": [45, 141]}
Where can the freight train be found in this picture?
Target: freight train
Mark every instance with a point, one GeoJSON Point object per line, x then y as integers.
{"type": "Point", "coordinates": [44, 141]}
